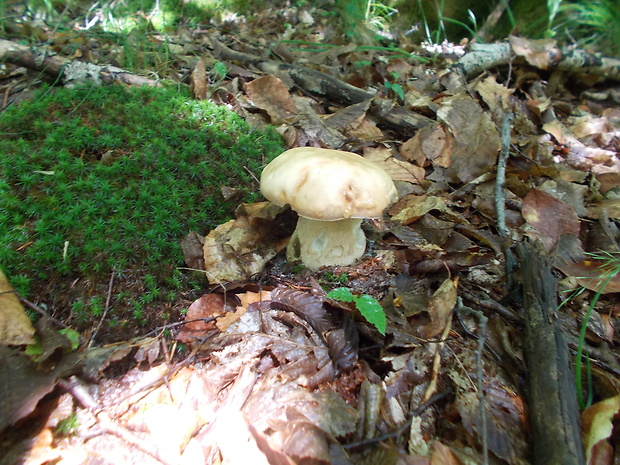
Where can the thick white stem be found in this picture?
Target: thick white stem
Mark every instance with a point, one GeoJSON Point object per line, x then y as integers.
{"type": "Point", "coordinates": [327, 243]}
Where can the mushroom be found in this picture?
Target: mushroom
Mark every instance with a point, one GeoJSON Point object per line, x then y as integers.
{"type": "Point", "coordinates": [332, 191]}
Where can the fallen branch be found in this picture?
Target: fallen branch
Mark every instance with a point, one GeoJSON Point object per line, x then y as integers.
{"type": "Point", "coordinates": [71, 73]}
{"type": "Point", "coordinates": [552, 397]}
{"type": "Point", "coordinates": [485, 56]}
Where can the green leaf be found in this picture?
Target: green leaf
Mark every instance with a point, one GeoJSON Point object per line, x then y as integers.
{"type": "Point", "coordinates": [398, 90]}
{"type": "Point", "coordinates": [372, 311]}
{"type": "Point", "coordinates": [73, 336]}
{"type": "Point", "coordinates": [220, 69]}
{"type": "Point", "coordinates": [367, 306]}
{"type": "Point", "coordinates": [343, 294]}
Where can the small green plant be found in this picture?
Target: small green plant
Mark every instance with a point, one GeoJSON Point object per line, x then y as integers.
{"type": "Point", "coordinates": [367, 305]}
{"type": "Point", "coordinates": [330, 277]}
{"type": "Point", "coordinates": [395, 87]}
{"type": "Point", "coordinates": [68, 426]}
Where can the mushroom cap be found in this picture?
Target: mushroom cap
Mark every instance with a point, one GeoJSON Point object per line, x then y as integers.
{"type": "Point", "coordinates": [327, 185]}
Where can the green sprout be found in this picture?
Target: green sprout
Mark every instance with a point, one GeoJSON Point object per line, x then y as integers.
{"type": "Point", "coordinates": [367, 305]}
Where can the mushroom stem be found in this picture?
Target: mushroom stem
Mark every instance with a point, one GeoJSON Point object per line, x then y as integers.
{"type": "Point", "coordinates": [326, 243]}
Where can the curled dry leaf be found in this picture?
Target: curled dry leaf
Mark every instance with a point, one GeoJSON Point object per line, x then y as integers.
{"type": "Point", "coordinates": [440, 308]}
{"type": "Point", "coordinates": [307, 306]}
{"type": "Point", "coordinates": [198, 80]}
{"type": "Point", "coordinates": [597, 429]}
{"type": "Point", "coordinates": [535, 52]}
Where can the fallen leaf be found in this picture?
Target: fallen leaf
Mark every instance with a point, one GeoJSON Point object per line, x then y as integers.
{"type": "Point", "coordinates": [270, 94]}
{"type": "Point", "coordinates": [495, 95]}
{"type": "Point", "coordinates": [15, 326]}
{"type": "Point", "coordinates": [413, 207]}
{"type": "Point", "coordinates": [198, 80]}
{"type": "Point", "coordinates": [549, 216]}
{"type": "Point", "coordinates": [593, 275]}
{"type": "Point", "coordinates": [476, 138]}
{"type": "Point", "coordinates": [535, 52]}
{"type": "Point", "coordinates": [439, 308]}
{"type": "Point", "coordinates": [442, 455]}
{"type": "Point", "coordinates": [239, 249]}
{"type": "Point", "coordinates": [21, 386]}
{"type": "Point", "coordinates": [203, 309]}
{"type": "Point", "coordinates": [597, 427]}
{"type": "Point", "coordinates": [397, 169]}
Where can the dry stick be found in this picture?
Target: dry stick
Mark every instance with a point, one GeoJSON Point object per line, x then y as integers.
{"type": "Point", "coordinates": [105, 310]}
{"type": "Point", "coordinates": [41, 312]}
{"type": "Point", "coordinates": [500, 199]}
{"type": "Point", "coordinates": [500, 177]}
{"type": "Point", "coordinates": [482, 336]}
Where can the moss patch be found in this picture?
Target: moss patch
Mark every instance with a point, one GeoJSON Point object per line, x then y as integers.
{"type": "Point", "coordinates": [104, 181]}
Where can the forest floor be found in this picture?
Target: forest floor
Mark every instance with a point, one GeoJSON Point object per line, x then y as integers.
{"type": "Point", "coordinates": [505, 159]}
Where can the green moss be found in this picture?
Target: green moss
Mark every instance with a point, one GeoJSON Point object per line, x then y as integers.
{"type": "Point", "coordinates": [110, 179]}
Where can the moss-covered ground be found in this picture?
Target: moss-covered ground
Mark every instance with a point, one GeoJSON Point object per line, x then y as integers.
{"type": "Point", "coordinates": [102, 182]}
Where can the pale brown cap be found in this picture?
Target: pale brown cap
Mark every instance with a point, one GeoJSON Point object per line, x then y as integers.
{"type": "Point", "coordinates": [327, 185]}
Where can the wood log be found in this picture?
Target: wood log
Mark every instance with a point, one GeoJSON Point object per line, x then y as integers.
{"type": "Point", "coordinates": [552, 397]}
{"type": "Point", "coordinates": [481, 57]}
{"type": "Point", "coordinates": [71, 73]}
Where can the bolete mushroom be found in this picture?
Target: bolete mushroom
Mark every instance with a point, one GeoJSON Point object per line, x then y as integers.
{"type": "Point", "coordinates": [332, 191]}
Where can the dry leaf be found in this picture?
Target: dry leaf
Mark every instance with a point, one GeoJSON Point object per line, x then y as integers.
{"type": "Point", "coordinates": [442, 455]}
{"type": "Point", "coordinates": [549, 216]}
{"type": "Point", "coordinates": [440, 308]}
{"type": "Point", "coordinates": [270, 94]}
{"type": "Point", "coordinates": [597, 429]}
{"type": "Point", "coordinates": [413, 207]}
{"type": "Point", "coordinates": [237, 250]}
{"type": "Point", "coordinates": [198, 80]}
{"type": "Point", "coordinates": [202, 309]}
{"type": "Point", "coordinates": [431, 143]}
{"type": "Point", "coordinates": [592, 275]}
{"type": "Point", "coordinates": [397, 169]}
{"type": "Point", "coordinates": [535, 52]}
{"type": "Point", "coordinates": [495, 95]}
{"type": "Point", "coordinates": [15, 326]}
{"type": "Point", "coordinates": [476, 138]}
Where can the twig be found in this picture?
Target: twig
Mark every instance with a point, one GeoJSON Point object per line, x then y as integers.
{"type": "Point", "coordinates": [500, 177]}
{"type": "Point", "coordinates": [482, 336]}
{"type": "Point", "coordinates": [105, 311]}
{"type": "Point", "coordinates": [41, 312]}
{"type": "Point", "coordinates": [500, 200]}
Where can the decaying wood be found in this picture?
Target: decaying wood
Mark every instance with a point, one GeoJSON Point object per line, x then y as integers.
{"type": "Point", "coordinates": [553, 409]}
{"type": "Point", "coordinates": [71, 73]}
{"type": "Point", "coordinates": [329, 88]}
{"type": "Point", "coordinates": [481, 57]}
